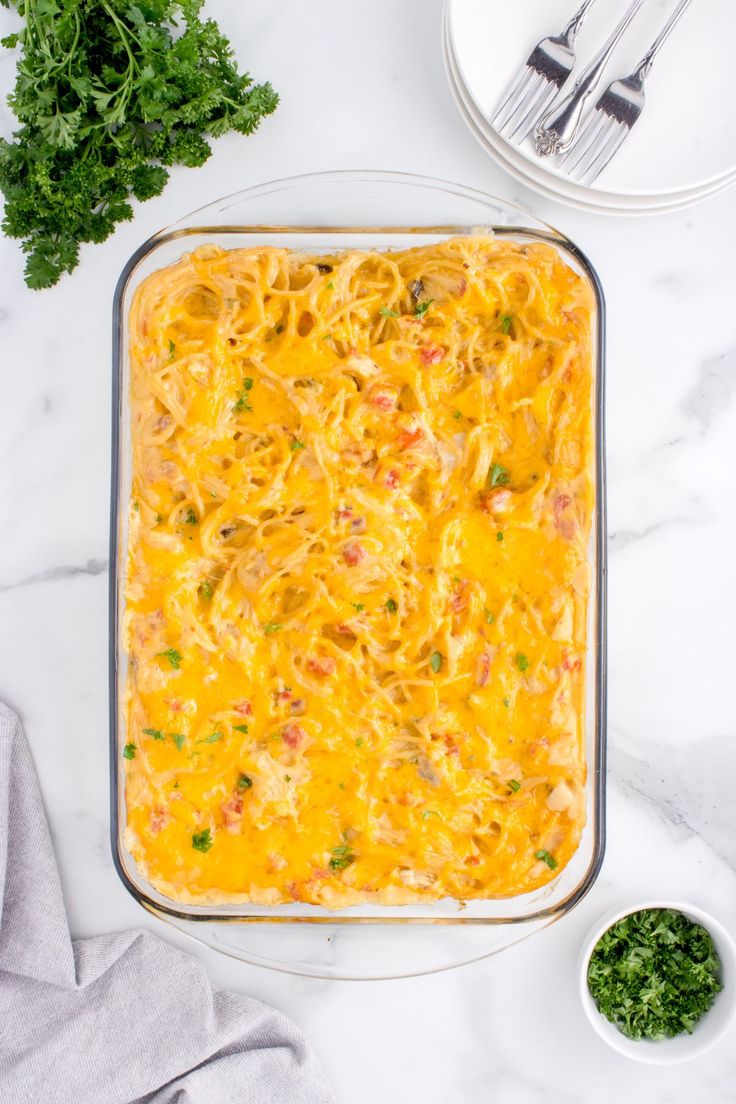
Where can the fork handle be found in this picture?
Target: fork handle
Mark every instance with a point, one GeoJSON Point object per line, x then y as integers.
{"type": "Point", "coordinates": [644, 67]}
{"type": "Point", "coordinates": [556, 131]}
{"type": "Point", "coordinates": [571, 30]}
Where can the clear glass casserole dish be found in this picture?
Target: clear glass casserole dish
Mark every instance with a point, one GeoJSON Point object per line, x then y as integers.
{"type": "Point", "coordinates": [338, 211]}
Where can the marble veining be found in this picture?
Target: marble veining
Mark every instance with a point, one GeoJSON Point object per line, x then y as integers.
{"type": "Point", "coordinates": [363, 87]}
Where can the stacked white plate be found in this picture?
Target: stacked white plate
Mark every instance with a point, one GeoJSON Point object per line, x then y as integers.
{"type": "Point", "coordinates": [683, 148]}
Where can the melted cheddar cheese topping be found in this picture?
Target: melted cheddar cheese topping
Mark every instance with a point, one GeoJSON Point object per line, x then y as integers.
{"type": "Point", "coordinates": [357, 579]}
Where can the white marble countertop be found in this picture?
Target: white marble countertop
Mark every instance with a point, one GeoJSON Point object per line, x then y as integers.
{"type": "Point", "coordinates": [363, 87]}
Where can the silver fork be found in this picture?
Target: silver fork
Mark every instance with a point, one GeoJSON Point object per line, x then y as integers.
{"type": "Point", "coordinates": [556, 130]}
{"type": "Point", "coordinates": [544, 73]}
{"type": "Point", "coordinates": [615, 113]}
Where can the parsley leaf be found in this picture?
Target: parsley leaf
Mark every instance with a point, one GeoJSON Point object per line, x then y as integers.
{"type": "Point", "coordinates": [173, 657]}
{"type": "Point", "coordinates": [457, 415]}
{"type": "Point", "coordinates": [244, 782]}
{"type": "Point", "coordinates": [391, 605]}
{"type": "Point", "coordinates": [211, 739]}
{"type": "Point", "coordinates": [179, 739]}
{"type": "Point", "coordinates": [386, 313]}
{"type": "Point", "coordinates": [108, 97]}
{"type": "Point", "coordinates": [129, 751]}
{"type": "Point", "coordinates": [342, 856]}
{"type": "Point", "coordinates": [498, 476]}
{"type": "Point", "coordinates": [436, 661]}
{"type": "Point", "coordinates": [514, 786]}
{"type": "Point", "coordinates": [202, 841]}
{"type": "Point", "coordinates": [358, 606]}
{"type": "Point", "coordinates": [296, 445]}
{"type": "Point", "coordinates": [421, 308]}
{"type": "Point", "coordinates": [242, 402]}
{"type": "Point", "coordinates": [506, 320]}
{"type": "Point", "coordinates": [490, 617]}
{"type": "Point", "coordinates": [241, 728]}
{"type": "Point", "coordinates": [205, 589]}
{"type": "Point", "coordinates": [156, 733]}
{"type": "Point", "coordinates": [654, 973]}
{"type": "Point", "coordinates": [272, 627]}
{"type": "Point", "coordinates": [545, 857]}
{"type": "Point", "coordinates": [499, 536]}
{"type": "Point", "coordinates": [172, 350]}
{"type": "Point", "coordinates": [190, 517]}
{"type": "Point", "coordinates": [521, 661]}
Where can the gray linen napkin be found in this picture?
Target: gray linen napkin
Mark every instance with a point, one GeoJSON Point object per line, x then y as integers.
{"type": "Point", "coordinates": [124, 1018]}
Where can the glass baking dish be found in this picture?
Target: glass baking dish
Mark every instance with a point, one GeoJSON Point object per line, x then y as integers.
{"type": "Point", "coordinates": [328, 212]}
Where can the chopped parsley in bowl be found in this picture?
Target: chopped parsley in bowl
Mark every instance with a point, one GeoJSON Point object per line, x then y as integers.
{"type": "Point", "coordinates": [658, 982]}
{"type": "Point", "coordinates": [654, 973]}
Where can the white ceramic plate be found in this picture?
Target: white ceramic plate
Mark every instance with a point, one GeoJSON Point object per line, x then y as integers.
{"type": "Point", "coordinates": [685, 140]}
{"type": "Point", "coordinates": [554, 186]}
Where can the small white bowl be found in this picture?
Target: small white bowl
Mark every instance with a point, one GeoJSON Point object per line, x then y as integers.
{"type": "Point", "coordinates": [708, 1030]}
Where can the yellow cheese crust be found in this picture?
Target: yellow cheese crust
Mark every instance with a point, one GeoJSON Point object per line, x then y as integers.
{"type": "Point", "coordinates": [357, 578]}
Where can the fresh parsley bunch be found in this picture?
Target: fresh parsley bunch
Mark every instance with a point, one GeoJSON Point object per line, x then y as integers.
{"type": "Point", "coordinates": [654, 974]}
{"type": "Point", "coordinates": [109, 93]}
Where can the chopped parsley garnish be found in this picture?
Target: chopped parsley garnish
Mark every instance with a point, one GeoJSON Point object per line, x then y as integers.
{"type": "Point", "coordinates": [654, 973]}
{"type": "Point", "coordinates": [490, 617]}
{"type": "Point", "coordinates": [457, 415]}
{"type": "Point", "coordinates": [506, 320]}
{"type": "Point", "coordinates": [499, 536]}
{"type": "Point", "coordinates": [211, 739]}
{"type": "Point", "coordinates": [173, 657]}
{"type": "Point", "coordinates": [129, 751]}
{"type": "Point", "coordinates": [190, 517]}
{"type": "Point", "coordinates": [159, 519]}
{"type": "Point", "coordinates": [358, 606]}
{"type": "Point", "coordinates": [205, 589]}
{"type": "Point", "coordinates": [242, 402]}
{"type": "Point", "coordinates": [330, 285]}
{"type": "Point", "coordinates": [202, 841]}
{"type": "Point", "coordinates": [179, 739]}
{"type": "Point", "coordinates": [429, 813]}
{"type": "Point", "coordinates": [296, 445]}
{"type": "Point", "coordinates": [156, 733]}
{"type": "Point", "coordinates": [506, 702]}
{"type": "Point", "coordinates": [342, 857]}
{"type": "Point", "coordinates": [241, 728]}
{"type": "Point", "coordinates": [359, 742]}
{"type": "Point", "coordinates": [391, 605]}
{"type": "Point", "coordinates": [386, 313]}
{"type": "Point", "coordinates": [272, 627]}
{"type": "Point", "coordinates": [435, 662]}
{"type": "Point", "coordinates": [244, 782]}
{"type": "Point", "coordinates": [545, 857]}
{"type": "Point", "coordinates": [521, 661]}
{"type": "Point", "coordinates": [514, 786]}
{"type": "Point", "coordinates": [421, 308]}
{"type": "Point", "coordinates": [136, 506]}
{"type": "Point", "coordinates": [498, 476]}
{"type": "Point", "coordinates": [172, 350]}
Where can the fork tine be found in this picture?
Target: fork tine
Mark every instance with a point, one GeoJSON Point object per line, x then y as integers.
{"type": "Point", "coordinates": [517, 91]}
{"type": "Point", "coordinates": [596, 148]}
{"type": "Point", "coordinates": [585, 140]}
{"type": "Point", "coordinates": [596, 167]}
{"type": "Point", "coordinates": [534, 112]}
{"type": "Point", "coordinates": [525, 106]}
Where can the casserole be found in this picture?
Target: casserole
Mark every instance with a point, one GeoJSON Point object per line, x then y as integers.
{"type": "Point", "coordinates": [390, 231]}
